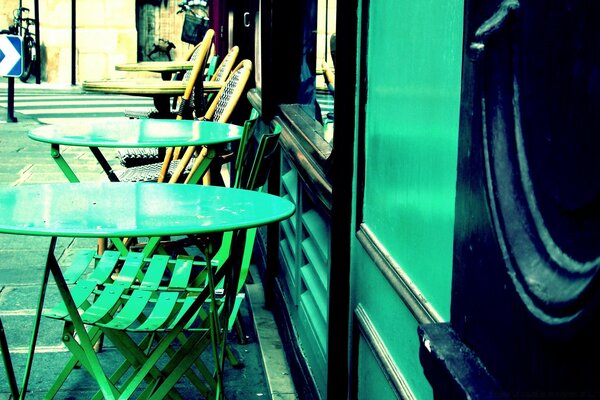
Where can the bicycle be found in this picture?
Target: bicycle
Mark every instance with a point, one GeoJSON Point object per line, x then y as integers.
{"type": "Point", "coordinates": [21, 26]}
{"type": "Point", "coordinates": [196, 22]}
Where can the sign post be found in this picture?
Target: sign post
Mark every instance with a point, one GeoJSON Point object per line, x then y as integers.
{"type": "Point", "coordinates": [11, 66]}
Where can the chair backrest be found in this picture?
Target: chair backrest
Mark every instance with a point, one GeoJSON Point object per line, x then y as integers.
{"type": "Point", "coordinates": [255, 163]}
{"type": "Point", "coordinates": [186, 107]}
{"type": "Point", "coordinates": [190, 54]}
{"type": "Point", "coordinates": [228, 96]}
{"type": "Point", "coordinates": [257, 158]}
{"type": "Point", "coordinates": [249, 128]}
{"type": "Point", "coordinates": [226, 65]}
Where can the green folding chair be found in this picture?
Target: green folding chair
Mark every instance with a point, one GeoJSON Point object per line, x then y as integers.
{"type": "Point", "coordinates": [118, 304]}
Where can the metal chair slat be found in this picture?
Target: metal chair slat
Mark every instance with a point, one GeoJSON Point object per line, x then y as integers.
{"type": "Point", "coordinates": [130, 270]}
{"type": "Point", "coordinates": [181, 273]}
{"type": "Point", "coordinates": [132, 310]}
{"type": "Point", "coordinates": [161, 312]}
{"type": "Point", "coordinates": [81, 262]}
{"type": "Point", "coordinates": [104, 305]}
{"type": "Point", "coordinates": [155, 272]}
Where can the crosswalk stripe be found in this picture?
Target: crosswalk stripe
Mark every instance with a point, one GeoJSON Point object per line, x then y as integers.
{"type": "Point", "coordinates": [77, 110]}
{"type": "Point", "coordinates": [51, 107]}
{"type": "Point", "coordinates": [77, 97]}
{"type": "Point", "coordinates": [55, 104]}
{"type": "Point", "coordinates": [70, 120]}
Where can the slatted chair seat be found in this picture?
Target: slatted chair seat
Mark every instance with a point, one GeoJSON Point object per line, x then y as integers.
{"type": "Point", "coordinates": [160, 283]}
{"type": "Point", "coordinates": [148, 295]}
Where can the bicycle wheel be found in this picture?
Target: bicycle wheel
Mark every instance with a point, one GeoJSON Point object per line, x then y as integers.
{"type": "Point", "coordinates": [29, 57]}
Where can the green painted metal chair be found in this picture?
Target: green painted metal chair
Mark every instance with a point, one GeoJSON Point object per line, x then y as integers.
{"type": "Point", "coordinates": [117, 305]}
{"type": "Point", "coordinates": [157, 297]}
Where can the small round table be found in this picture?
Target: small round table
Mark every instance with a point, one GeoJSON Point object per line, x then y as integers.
{"type": "Point", "coordinates": [133, 133]}
{"type": "Point", "coordinates": [128, 209]}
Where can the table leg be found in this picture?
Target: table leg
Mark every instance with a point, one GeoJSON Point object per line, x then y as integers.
{"type": "Point", "coordinates": [36, 322]}
{"type": "Point", "coordinates": [104, 164]}
{"type": "Point", "coordinates": [163, 105]}
{"type": "Point", "coordinates": [108, 389]}
{"type": "Point", "coordinates": [218, 328]}
{"type": "Point", "coordinates": [62, 164]}
{"type": "Point", "coordinates": [10, 372]}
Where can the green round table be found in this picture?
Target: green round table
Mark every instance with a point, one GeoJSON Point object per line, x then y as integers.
{"type": "Point", "coordinates": [127, 209]}
{"type": "Point", "coordinates": [134, 133]}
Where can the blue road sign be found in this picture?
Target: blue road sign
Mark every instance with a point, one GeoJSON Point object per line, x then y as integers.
{"type": "Point", "coordinates": [11, 50]}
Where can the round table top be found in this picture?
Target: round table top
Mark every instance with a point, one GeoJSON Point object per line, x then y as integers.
{"type": "Point", "coordinates": [156, 66]}
{"type": "Point", "coordinates": [134, 209]}
{"type": "Point", "coordinates": [144, 87]}
{"type": "Point", "coordinates": [138, 133]}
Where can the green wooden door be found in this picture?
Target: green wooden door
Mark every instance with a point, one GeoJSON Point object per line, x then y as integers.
{"type": "Point", "coordinates": [402, 251]}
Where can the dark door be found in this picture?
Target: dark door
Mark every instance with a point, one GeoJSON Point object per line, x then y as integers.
{"type": "Point", "coordinates": [243, 17]}
{"type": "Point", "coordinates": [527, 232]}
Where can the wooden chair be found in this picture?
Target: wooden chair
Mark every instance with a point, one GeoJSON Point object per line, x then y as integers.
{"type": "Point", "coordinates": [135, 157]}
{"type": "Point", "coordinates": [187, 167]}
{"type": "Point", "coordinates": [201, 53]}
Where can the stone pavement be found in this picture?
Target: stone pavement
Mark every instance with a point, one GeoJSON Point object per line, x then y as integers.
{"type": "Point", "coordinates": [23, 161]}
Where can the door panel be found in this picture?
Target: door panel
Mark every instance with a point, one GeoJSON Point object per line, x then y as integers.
{"type": "Point", "coordinates": [525, 285]}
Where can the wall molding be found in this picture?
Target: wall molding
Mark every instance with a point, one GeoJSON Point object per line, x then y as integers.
{"type": "Point", "coordinates": [415, 301]}
{"type": "Point", "coordinates": [382, 355]}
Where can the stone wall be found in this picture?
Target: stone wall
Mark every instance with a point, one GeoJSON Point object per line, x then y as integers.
{"type": "Point", "coordinates": [106, 35]}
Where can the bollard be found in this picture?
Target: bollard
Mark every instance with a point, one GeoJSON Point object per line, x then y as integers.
{"type": "Point", "coordinates": [10, 117]}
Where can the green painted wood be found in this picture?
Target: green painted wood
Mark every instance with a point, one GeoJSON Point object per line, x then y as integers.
{"type": "Point", "coordinates": [413, 58]}
{"type": "Point", "coordinates": [134, 209]}
{"type": "Point", "coordinates": [290, 182]}
{"type": "Point", "coordinates": [289, 232]}
{"type": "Point", "coordinates": [318, 230]}
{"type": "Point", "coordinates": [314, 286]}
{"type": "Point", "coordinates": [412, 137]}
{"type": "Point", "coordinates": [315, 258]}
{"type": "Point", "coordinates": [138, 133]}
{"type": "Point", "coordinates": [312, 348]}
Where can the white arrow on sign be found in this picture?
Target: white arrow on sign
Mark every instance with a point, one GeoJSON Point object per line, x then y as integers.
{"type": "Point", "coordinates": [12, 56]}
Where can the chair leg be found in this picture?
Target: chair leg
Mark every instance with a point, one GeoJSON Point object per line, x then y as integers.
{"type": "Point", "coordinates": [239, 331]}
